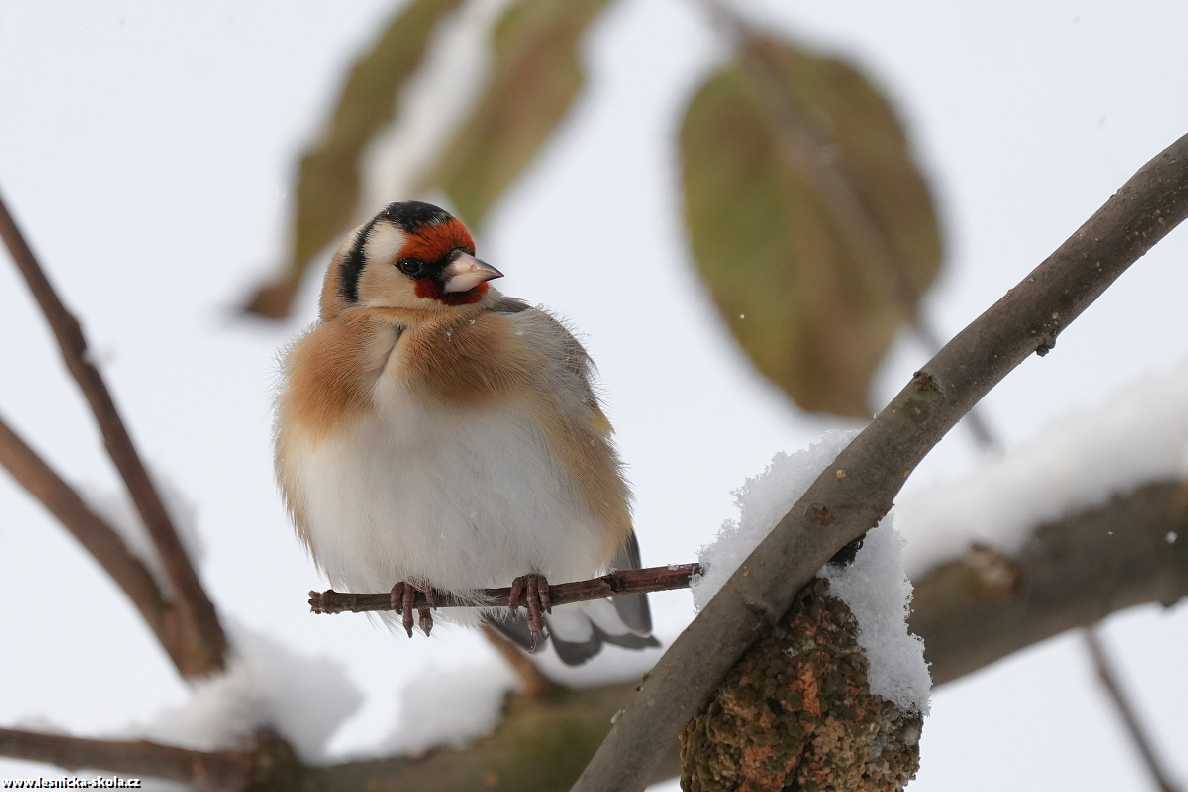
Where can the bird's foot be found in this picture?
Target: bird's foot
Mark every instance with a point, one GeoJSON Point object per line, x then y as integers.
{"type": "Point", "coordinates": [533, 592]}
{"type": "Point", "coordinates": [403, 595]}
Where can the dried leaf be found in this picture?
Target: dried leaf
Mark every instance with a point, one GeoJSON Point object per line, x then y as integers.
{"type": "Point", "coordinates": [328, 179]}
{"type": "Point", "coordinates": [536, 75]}
{"type": "Point", "coordinates": [785, 265]}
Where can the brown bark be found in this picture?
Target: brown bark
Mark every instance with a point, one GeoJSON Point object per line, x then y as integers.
{"type": "Point", "coordinates": [796, 713]}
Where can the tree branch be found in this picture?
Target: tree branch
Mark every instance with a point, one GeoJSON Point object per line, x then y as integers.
{"type": "Point", "coordinates": [625, 581]}
{"type": "Point", "coordinates": [804, 146]}
{"type": "Point", "coordinates": [836, 510]}
{"type": "Point", "coordinates": [971, 611]}
{"type": "Point", "coordinates": [1070, 573]}
{"type": "Point", "coordinates": [210, 650]}
{"type": "Point", "coordinates": [98, 538]}
{"type": "Point", "coordinates": [207, 770]}
{"type": "Point", "coordinates": [1126, 712]}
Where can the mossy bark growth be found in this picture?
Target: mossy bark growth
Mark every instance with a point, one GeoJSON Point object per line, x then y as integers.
{"type": "Point", "coordinates": [796, 714]}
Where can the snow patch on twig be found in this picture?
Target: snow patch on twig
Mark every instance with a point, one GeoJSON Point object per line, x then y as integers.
{"type": "Point", "coordinates": [458, 706]}
{"type": "Point", "coordinates": [762, 501]}
{"type": "Point", "coordinates": [266, 684]}
{"type": "Point", "coordinates": [874, 586]}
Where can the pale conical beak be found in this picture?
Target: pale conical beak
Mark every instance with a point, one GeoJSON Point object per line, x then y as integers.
{"type": "Point", "coordinates": [464, 272]}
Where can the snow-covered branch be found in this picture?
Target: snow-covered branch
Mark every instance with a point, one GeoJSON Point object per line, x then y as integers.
{"type": "Point", "coordinates": [985, 604]}
{"type": "Point", "coordinates": [851, 495]}
{"type": "Point", "coordinates": [207, 644]}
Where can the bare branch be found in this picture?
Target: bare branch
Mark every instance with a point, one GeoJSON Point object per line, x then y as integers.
{"type": "Point", "coordinates": [836, 510]}
{"type": "Point", "coordinates": [625, 581]}
{"type": "Point", "coordinates": [100, 540]}
{"type": "Point", "coordinates": [208, 770]}
{"type": "Point", "coordinates": [1126, 711]}
{"type": "Point", "coordinates": [211, 649]}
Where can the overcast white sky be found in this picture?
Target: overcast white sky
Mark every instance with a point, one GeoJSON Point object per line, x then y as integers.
{"type": "Point", "coordinates": [148, 151]}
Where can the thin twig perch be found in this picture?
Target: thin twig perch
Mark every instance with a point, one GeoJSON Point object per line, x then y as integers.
{"type": "Point", "coordinates": [627, 581]}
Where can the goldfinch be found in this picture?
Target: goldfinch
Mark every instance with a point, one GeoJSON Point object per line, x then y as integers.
{"type": "Point", "coordinates": [436, 436]}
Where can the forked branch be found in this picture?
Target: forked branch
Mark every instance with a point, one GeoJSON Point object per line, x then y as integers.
{"type": "Point", "coordinates": [209, 644]}
{"type": "Point", "coordinates": [106, 546]}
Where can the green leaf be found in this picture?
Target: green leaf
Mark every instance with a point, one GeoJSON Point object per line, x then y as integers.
{"type": "Point", "coordinates": [536, 75]}
{"type": "Point", "coordinates": [809, 222]}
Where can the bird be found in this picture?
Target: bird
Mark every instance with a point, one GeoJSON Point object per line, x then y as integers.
{"type": "Point", "coordinates": [433, 435]}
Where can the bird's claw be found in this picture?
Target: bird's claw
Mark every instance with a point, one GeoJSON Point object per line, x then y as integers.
{"type": "Point", "coordinates": [533, 592]}
{"type": "Point", "coordinates": [403, 596]}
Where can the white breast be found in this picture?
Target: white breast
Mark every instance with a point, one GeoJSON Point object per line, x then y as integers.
{"type": "Point", "coordinates": [465, 499]}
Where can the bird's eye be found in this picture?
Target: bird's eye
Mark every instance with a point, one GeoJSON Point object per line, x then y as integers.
{"type": "Point", "coordinates": [411, 267]}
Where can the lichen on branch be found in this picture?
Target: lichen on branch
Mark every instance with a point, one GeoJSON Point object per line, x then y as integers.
{"type": "Point", "coordinates": [796, 713]}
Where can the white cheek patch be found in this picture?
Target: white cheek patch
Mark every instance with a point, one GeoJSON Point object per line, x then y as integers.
{"type": "Point", "coordinates": [383, 243]}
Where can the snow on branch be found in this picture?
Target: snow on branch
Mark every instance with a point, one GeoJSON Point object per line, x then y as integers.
{"type": "Point", "coordinates": [303, 698]}
{"type": "Point", "coordinates": [874, 586]}
{"type": "Point", "coordinates": [851, 495]}
{"type": "Point", "coordinates": [982, 604]}
{"type": "Point", "coordinates": [207, 645]}
{"type": "Point", "coordinates": [1137, 436]}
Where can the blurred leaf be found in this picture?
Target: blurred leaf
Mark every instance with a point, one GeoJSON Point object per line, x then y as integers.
{"type": "Point", "coordinates": [328, 180]}
{"type": "Point", "coordinates": [536, 75]}
{"type": "Point", "coordinates": [813, 312]}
